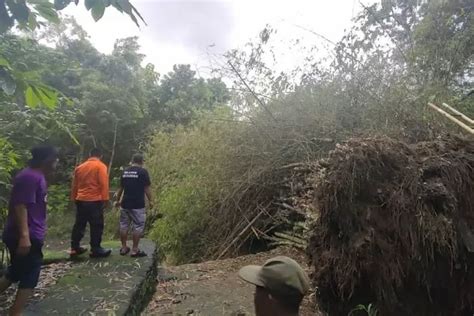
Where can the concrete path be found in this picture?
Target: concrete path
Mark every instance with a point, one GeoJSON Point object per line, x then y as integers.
{"type": "Point", "coordinates": [118, 285]}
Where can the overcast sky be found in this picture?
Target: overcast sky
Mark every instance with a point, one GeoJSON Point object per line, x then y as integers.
{"type": "Point", "coordinates": [185, 31]}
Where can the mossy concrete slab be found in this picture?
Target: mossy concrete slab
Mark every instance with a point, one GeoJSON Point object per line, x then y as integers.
{"type": "Point", "coordinates": [117, 285]}
{"type": "Point", "coordinates": [59, 254]}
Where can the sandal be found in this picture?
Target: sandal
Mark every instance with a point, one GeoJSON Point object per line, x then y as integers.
{"type": "Point", "coordinates": [75, 252]}
{"type": "Point", "coordinates": [138, 254]}
{"type": "Point", "coordinates": [124, 251]}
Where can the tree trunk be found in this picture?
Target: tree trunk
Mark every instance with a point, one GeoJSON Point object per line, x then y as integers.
{"type": "Point", "coordinates": [112, 155]}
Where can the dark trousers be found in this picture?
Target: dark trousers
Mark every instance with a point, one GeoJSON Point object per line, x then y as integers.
{"type": "Point", "coordinates": [25, 269]}
{"type": "Point", "coordinates": [92, 213]}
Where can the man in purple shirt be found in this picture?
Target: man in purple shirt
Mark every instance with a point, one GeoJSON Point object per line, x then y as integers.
{"type": "Point", "coordinates": [26, 225]}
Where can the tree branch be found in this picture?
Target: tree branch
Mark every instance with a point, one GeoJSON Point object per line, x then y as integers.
{"type": "Point", "coordinates": [251, 91]}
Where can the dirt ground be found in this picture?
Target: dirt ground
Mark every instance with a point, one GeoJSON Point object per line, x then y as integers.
{"type": "Point", "coordinates": [213, 287]}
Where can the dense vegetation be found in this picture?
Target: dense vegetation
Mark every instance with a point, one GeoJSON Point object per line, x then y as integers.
{"type": "Point", "coordinates": [231, 167]}
{"type": "Point", "coordinates": [218, 154]}
{"type": "Point", "coordinates": [108, 101]}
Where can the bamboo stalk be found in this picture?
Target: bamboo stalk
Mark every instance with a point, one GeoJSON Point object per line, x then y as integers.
{"type": "Point", "coordinates": [291, 208]}
{"type": "Point", "coordinates": [240, 234]}
{"type": "Point", "coordinates": [452, 118]}
{"type": "Point", "coordinates": [288, 243]}
{"type": "Point", "coordinates": [295, 239]}
{"type": "Point", "coordinates": [251, 91]}
{"type": "Point", "coordinates": [463, 116]}
{"type": "Point", "coordinates": [112, 155]}
{"type": "Point", "coordinates": [255, 232]}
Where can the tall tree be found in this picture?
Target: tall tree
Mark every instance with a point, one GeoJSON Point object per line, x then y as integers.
{"type": "Point", "coordinates": [182, 95]}
{"type": "Point", "coordinates": [29, 15]}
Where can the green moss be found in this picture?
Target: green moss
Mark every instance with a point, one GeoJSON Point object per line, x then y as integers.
{"type": "Point", "coordinates": [112, 244]}
{"type": "Point", "coordinates": [84, 279]}
{"type": "Point", "coordinates": [116, 285]}
{"type": "Point", "coordinates": [52, 256]}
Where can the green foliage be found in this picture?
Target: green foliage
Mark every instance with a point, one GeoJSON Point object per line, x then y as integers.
{"type": "Point", "coordinates": [98, 93]}
{"type": "Point", "coordinates": [185, 167]}
{"type": "Point", "coordinates": [214, 176]}
{"type": "Point", "coordinates": [423, 49]}
{"type": "Point", "coordinates": [113, 97]}
{"type": "Point", "coordinates": [185, 220]}
{"type": "Point", "coordinates": [112, 218]}
{"type": "Point", "coordinates": [28, 15]}
{"type": "Point", "coordinates": [182, 96]}
{"type": "Point", "coordinates": [8, 163]}
{"type": "Point", "coordinates": [58, 199]}
{"type": "Point", "coordinates": [24, 74]}
{"type": "Point", "coordinates": [26, 127]}
{"type": "Point", "coordinates": [370, 310]}
{"type": "Point", "coordinates": [60, 212]}
{"type": "Point", "coordinates": [214, 166]}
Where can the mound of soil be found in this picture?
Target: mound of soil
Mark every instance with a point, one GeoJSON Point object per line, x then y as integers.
{"type": "Point", "coordinates": [395, 227]}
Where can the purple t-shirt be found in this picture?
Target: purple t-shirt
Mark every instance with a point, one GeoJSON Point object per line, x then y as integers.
{"type": "Point", "coordinates": [29, 188]}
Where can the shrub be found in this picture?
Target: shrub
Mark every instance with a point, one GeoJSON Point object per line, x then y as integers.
{"type": "Point", "coordinates": [186, 170]}
{"type": "Point", "coordinates": [60, 212]}
{"type": "Point", "coordinates": [212, 178]}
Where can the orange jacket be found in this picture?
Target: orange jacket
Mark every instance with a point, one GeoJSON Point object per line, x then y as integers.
{"type": "Point", "coordinates": [91, 182]}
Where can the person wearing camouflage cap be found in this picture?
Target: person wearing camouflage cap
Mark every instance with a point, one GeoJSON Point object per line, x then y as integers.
{"type": "Point", "coordinates": [280, 283]}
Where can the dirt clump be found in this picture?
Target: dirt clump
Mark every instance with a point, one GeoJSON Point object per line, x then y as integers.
{"type": "Point", "coordinates": [395, 227]}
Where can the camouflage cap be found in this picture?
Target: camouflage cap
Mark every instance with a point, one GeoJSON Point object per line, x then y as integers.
{"type": "Point", "coordinates": [280, 275]}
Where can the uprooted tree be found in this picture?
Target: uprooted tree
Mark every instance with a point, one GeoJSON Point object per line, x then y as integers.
{"type": "Point", "coordinates": [395, 227]}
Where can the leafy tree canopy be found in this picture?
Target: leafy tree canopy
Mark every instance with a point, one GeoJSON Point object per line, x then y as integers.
{"type": "Point", "coordinates": [29, 15]}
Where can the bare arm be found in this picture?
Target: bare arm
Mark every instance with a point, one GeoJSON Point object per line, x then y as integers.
{"type": "Point", "coordinates": [104, 182]}
{"type": "Point", "coordinates": [149, 195]}
{"type": "Point", "coordinates": [21, 219]}
{"type": "Point", "coordinates": [74, 187]}
{"type": "Point", "coordinates": [119, 196]}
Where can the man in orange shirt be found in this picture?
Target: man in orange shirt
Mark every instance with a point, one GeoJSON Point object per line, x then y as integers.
{"type": "Point", "coordinates": [90, 192]}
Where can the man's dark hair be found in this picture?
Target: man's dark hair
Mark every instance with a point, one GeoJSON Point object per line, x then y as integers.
{"type": "Point", "coordinates": [96, 152]}
{"type": "Point", "coordinates": [138, 159]}
{"type": "Point", "coordinates": [42, 154]}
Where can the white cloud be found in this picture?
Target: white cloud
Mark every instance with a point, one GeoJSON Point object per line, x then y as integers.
{"type": "Point", "coordinates": [181, 31]}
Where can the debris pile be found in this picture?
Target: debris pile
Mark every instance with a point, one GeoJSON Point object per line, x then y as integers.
{"type": "Point", "coordinates": [395, 227]}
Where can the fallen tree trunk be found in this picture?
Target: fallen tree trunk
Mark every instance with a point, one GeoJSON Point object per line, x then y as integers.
{"type": "Point", "coordinates": [460, 123]}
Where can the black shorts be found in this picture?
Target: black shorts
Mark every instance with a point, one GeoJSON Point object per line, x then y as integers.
{"type": "Point", "coordinates": [25, 269]}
